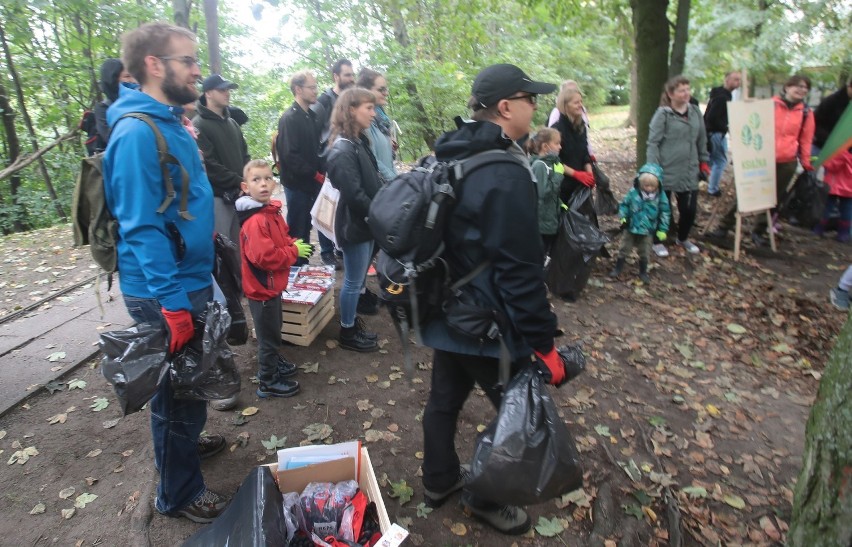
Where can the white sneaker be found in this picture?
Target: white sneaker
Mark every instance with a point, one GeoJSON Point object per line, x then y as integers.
{"type": "Point", "coordinates": [689, 246]}
{"type": "Point", "coordinates": [660, 250]}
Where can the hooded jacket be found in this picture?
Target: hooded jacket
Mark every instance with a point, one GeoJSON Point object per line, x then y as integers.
{"type": "Point", "coordinates": [495, 220]}
{"type": "Point", "coordinates": [644, 217]}
{"type": "Point", "coordinates": [151, 262]}
{"type": "Point", "coordinates": [224, 149]}
{"type": "Point", "coordinates": [716, 114]}
{"type": "Point", "coordinates": [266, 248]}
{"type": "Point", "coordinates": [838, 174]}
{"type": "Point", "coordinates": [678, 145]}
{"type": "Point", "coordinates": [574, 152]}
{"type": "Point", "coordinates": [794, 132]}
{"type": "Point", "coordinates": [353, 170]}
{"type": "Point", "coordinates": [548, 179]}
{"type": "Point", "coordinates": [110, 72]}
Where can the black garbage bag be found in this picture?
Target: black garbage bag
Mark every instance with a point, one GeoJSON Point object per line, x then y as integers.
{"type": "Point", "coordinates": [204, 369]}
{"type": "Point", "coordinates": [254, 518]}
{"type": "Point", "coordinates": [527, 455]}
{"type": "Point", "coordinates": [805, 203]}
{"type": "Point", "coordinates": [605, 202]}
{"type": "Point", "coordinates": [134, 362]}
{"type": "Point", "coordinates": [226, 271]}
{"type": "Point", "coordinates": [577, 246]}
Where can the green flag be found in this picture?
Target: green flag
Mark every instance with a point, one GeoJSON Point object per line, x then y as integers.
{"type": "Point", "coordinates": [840, 138]}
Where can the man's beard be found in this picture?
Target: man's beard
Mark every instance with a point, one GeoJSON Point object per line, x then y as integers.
{"type": "Point", "coordinates": [344, 87]}
{"type": "Point", "coordinates": [177, 94]}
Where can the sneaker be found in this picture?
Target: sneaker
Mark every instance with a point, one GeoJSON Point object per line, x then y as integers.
{"type": "Point", "coordinates": [210, 445]}
{"type": "Point", "coordinates": [223, 405]}
{"type": "Point", "coordinates": [286, 369]}
{"type": "Point", "coordinates": [329, 259]}
{"type": "Point", "coordinates": [353, 338]}
{"type": "Point", "coordinates": [689, 246]}
{"type": "Point", "coordinates": [839, 298]}
{"type": "Point", "coordinates": [205, 508]}
{"type": "Point", "coordinates": [437, 499]}
{"type": "Point", "coordinates": [368, 303]}
{"type": "Point", "coordinates": [660, 250]}
{"type": "Point", "coordinates": [508, 519]}
{"type": "Point", "coordinates": [279, 388]}
{"type": "Point", "coordinates": [359, 323]}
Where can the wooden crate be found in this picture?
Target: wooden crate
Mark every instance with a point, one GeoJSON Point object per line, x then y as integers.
{"type": "Point", "coordinates": [302, 322]}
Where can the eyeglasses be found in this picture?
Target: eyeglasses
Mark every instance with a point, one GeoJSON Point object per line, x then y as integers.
{"type": "Point", "coordinates": [187, 60]}
{"type": "Point", "coordinates": [383, 89]}
{"type": "Point", "coordinates": [532, 98]}
{"type": "Point", "coordinates": [311, 87]}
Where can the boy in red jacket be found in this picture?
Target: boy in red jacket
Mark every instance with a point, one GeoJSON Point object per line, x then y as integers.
{"type": "Point", "coordinates": [267, 252]}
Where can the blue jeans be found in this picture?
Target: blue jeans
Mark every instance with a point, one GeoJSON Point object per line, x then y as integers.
{"type": "Point", "coordinates": [299, 206]}
{"type": "Point", "coordinates": [356, 262]}
{"type": "Point", "coordinates": [175, 423]}
{"type": "Point", "coordinates": [718, 160]}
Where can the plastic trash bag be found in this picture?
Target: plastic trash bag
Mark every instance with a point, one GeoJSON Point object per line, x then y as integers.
{"type": "Point", "coordinates": [805, 203]}
{"type": "Point", "coordinates": [254, 518]}
{"type": "Point", "coordinates": [226, 271]}
{"type": "Point", "coordinates": [527, 454]}
{"type": "Point", "coordinates": [134, 363]}
{"type": "Point", "coordinates": [578, 243]}
{"type": "Point", "coordinates": [205, 369]}
{"type": "Point", "coordinates": [605, 202]}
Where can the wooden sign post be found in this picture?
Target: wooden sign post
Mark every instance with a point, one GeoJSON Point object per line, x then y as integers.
{"type": "Point", "coordinates": [752, 126]}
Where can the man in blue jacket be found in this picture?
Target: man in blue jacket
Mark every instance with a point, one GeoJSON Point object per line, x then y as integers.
{"type": "Point", "coordinates": [164, 260]}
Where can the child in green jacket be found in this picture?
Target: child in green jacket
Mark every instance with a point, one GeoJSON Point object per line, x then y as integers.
{"type": "Point", "coordinates": [543, 147]}
{"type": "Point", "coordinates": [643, 211]}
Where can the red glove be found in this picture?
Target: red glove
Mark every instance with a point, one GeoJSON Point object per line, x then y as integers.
{"type": "Point", "coordinates": [319, 177]}
{"type": "Point", "coordinates": [585, 178]}
{"type": "Point", "coordinates": [551, 366]}
{"type": "Point", "coordinates": [808, 167]}
{"type": "Point", "coordinates": [180, 327]}
{"type": "Point", "coordinates": [593, 158]}
{"type": "Point", "coordinates": [704, 168]}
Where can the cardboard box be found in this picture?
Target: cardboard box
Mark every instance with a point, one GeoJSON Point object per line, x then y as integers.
{"type": "Point", "coordinates": [302, 323]}
{"type": "Point", "coordinates": [295, 480]}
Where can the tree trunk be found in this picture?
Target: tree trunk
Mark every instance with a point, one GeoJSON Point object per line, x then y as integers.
{"type": "Point", "coordinates": [681, 36]}
{"type": "Point", "coordinates": [211, 20]}
{"type": "Point", "coordinates": [651, 29]}
{"type": "Point", "coordinates": [18, 212]}
{"type": "Point", "coordinates": [16, 81]}
{"type": "Point", "coordinates": [634, 95]}
{"type": "Point", "coordinates": [182, 9]}
{"type": "Point", "coordinates": [822, 504]}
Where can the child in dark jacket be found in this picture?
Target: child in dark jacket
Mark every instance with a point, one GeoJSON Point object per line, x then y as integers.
{"type": "Point", "coordinates": [644, 211]}
{"type": "Point", "coordinates": [544, 147]}
{"type": "Point", "coordinates": [267, 252]}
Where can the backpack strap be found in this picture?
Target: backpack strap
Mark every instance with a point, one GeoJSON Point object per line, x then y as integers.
{"type": "Point", "coordinates": [165, 158]}
{"type": "Point", "coordinates": [466, 166]}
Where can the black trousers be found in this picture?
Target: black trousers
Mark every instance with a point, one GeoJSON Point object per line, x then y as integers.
{"type": "Point", "coordinates": [453, 378]}
{"type": "Point", "coordinates": [267, 325]}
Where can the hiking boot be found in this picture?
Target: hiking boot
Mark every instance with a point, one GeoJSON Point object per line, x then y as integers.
{"type": "Point", "coordinates": [619, 267]}
{"type": "Point", "coordinates": [508, 519]}
{"type": "Point", "coordinates": [368, 303]}
{"type": "Point", "coordinates": [839, 298]}
{"type": "Point", "coordinates": [286, 369]}
{"type": "Point", "coordinates": [205, 508]}
{"type": "Point", "coordinates": [210, 445]}
{"type": "Point", "coordinates": [359, 323]}
{"type": "Point", "coordinates": [437, 499]}
{"type": "Point", "coordinates": [660, 250]}
{"type": "Point", "coordinates": [329, 259]}
{"type": "Point", "coordinates": [353, 338]}
{"type": "Point", "coordinates": [223, 405]}
{"type": "Point", "coordinates": [278, 388]}
{"type": "Point", "coordinates": [643, 272]}
{"type": "Point", "coordinates": [689, 246]}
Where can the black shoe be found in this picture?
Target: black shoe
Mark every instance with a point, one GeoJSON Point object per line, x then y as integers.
{"type": "Point", "coordinates": [758, 240]}
{"type": "Point", "coordinates": [718, 233]}
{"type": "Point", "coordinates": [329, 259]}
{"type": "Point", "coordinates": [359, 323]}
{"type": "Point", "coordinates": [643, 272]}
{"type": "Point", "coordinates": [286, 369]}
{"type": "Point", "coordinates": [279, 388]}
{"type": "Point", "coordinates": [508, 519]}
{"type": "Point", "coordinates": [210, 445]}
{"type": "Point", "coordinates": [714, 194]}
{"type": "Point", "coordinates": [437, 499]}
{"type": "Point", "coordinates": [205, 508]}
{"type": "Point", "coordinates": [368, 303]}
{"type": "Point", "coordinates": [352, 338]}
{"type": "Point", "coordinates": [619, 267]}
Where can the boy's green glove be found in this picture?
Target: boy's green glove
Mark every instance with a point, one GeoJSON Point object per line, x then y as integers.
{"type": "Point", "coordinates": [564, 207]}
{"type": "Point", "coordinates": [623, 225]}
{"type": "Point", "coordinates": [305, 249]}
{"type": "Point", "coordinates": [559, 168]}
{"type": "Point", "coordinates": [661, 235]}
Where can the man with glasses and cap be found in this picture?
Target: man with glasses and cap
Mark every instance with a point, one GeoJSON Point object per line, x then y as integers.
{"type": "Point", "coordinates": [494, 222]}
{"type": "Point", "coordinates": [225, 153]}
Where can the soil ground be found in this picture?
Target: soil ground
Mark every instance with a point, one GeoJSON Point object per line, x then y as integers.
{"type": "Point", "coordinates": [698, 384]}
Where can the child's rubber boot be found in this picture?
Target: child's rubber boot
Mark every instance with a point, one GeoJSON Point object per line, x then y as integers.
{"type": "Point", "coordinates": [643, 272]}
{"type": "Point", "coordinates": [619, 267]}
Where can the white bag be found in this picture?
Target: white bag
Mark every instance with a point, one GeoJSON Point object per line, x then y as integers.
{"type": "Point", "coordinates": [325, 209]}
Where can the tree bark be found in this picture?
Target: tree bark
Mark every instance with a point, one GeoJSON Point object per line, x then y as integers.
{"type": "Point", "coordinates": [822, 503]}
{"type": "Point", "coordinates": [211, 21]}
{"type": "Point", "coordinates": [681, 36]}
{"type": "Point", "coordinates": [19, 212]}
{"type": "Point", "coordinates": [16, 81]}
{"type": "Point", "coordinates": [181, 10]}
{"type": "Point", "coordinates": [651, 30]}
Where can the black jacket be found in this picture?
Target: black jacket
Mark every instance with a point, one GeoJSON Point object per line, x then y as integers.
{"type": "Point", "coordinates": [574, 153]}
{"type": "Point", "coordinates": [224, 149]}
{"type": "Point", "coordinates": [353, 170]}
{"type": "Point", "coordinates": [495, 219]}
{"type": "Point", "coordinates": [828, 113]}
{"type": "Point", "coordinates": [298, 149]}
{"type": "Point", "coordinates": [716, 114]}
{"type": "Point", "coordinates": [322, 108]}
{"type": "Point", "coordinates": [110, 72]}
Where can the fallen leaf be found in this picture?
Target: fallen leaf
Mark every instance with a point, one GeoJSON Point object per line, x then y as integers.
{"type": "Point", "coordinates": [249, 411]}
{"type": "Point", "coordinates": [372, 378]}
{"type": "Point", "coordinates": [84, 499]}
{"type": "Point", "coordinates": [91, 480]}
{"type": "Point", "coordinates": [363, 405]}
{"type": "Point", "coordinates": [94, 453]}
{"type": "Point", "coordinates": [57, 419]}
{"type": "Point", "coordinates": [68, 513]}
{"type": "Point", "coordinates": [736, 329]}
{"type": "Point", "coordinates": [314, 367]}
{"type": "Point", "coordinates": [713, 410]}
{"type": "Point", "coordinates": [423, 510]}
{"type": "Point", "coordinates": [127, 453]}
{"type": "Point", "coordinates": [38, 509]}
{"type": "Point", "coordinates": [549, 528]}
{"type": "Point", "coordinates": [274, 443]}
{"type": "Point", "coordinates": [109, 424]}
{"type": "Point", "coordinates": [99, 404]}
{"type": "Point", "coordinates": [695, 491]}
{"type": "Point", "coordinates": [66, 493]}
{"type": "Point", "coordinates": [76, 384]}
{"type": "Point", "coordinates": [2, 433]}
{"type": "Point", "coordinates": [372, 435]}
{"type": "Point", "coordinates": [317, 431]}
{"type": "Point", "coordinates": [602, 430]}
{"type": "Point", "coordinates": [734, 501]}
{"type": "Point", "coordinates": [458, 528]}
{"type": "Point", "coordinates": [577, 497]}
{"type": "Point", "coordinates": [402, 491]}
{"type": "Point", "coordinates": [56, 356]}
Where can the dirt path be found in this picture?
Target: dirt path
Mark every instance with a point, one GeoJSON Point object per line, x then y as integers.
{"type": "Point", "coordinates": [700, 383]}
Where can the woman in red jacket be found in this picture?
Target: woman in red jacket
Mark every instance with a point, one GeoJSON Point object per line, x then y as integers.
{"type": "Point", "coordinates": [838, 176]}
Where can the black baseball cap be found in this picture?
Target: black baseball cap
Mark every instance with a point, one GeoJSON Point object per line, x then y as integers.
{"type": "Point", "coordinates": [500, 81]}
{"type": "Point", "coordinates": [216, 81]}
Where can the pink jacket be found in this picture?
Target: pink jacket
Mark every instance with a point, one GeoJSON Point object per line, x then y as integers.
{"type": "Point", "coordinates": [838, 174]}
{"type": "Point", "coordinates": [791, 140]}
